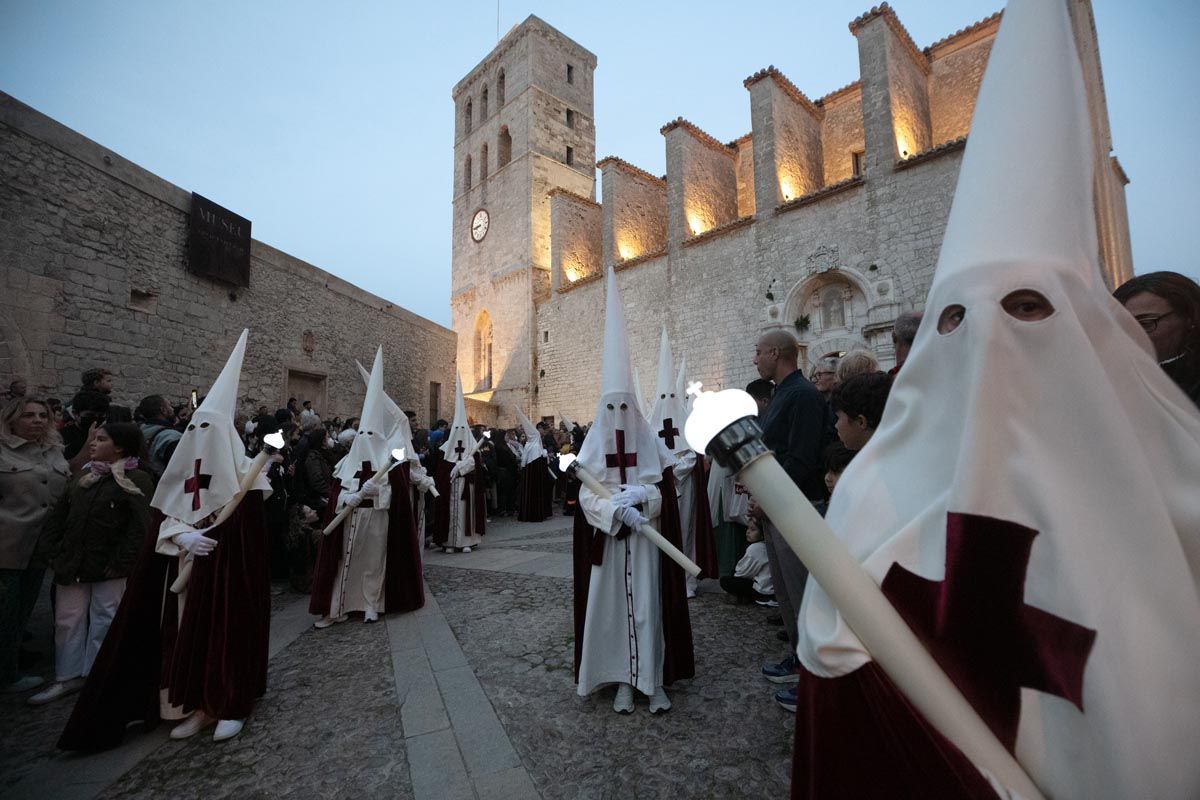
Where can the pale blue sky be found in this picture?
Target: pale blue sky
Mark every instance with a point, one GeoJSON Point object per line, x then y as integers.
{"type": "Point", "coordinates": [330, 125]}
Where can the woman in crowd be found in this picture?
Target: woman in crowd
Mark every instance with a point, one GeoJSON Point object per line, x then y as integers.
{"type": "Point", "coordinates": [1167, 306]}
{"type": "Point", "coordinates": [856, 362]}
{"type": "Point", "coordinates": [90, 541]}
{"type": "Point", "coordinates": [33, 475]}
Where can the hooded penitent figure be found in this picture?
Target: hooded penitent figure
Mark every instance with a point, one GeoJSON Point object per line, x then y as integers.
{"type": "Point", "coordinates": [1030, 502]}
{"type": "Point", "coordinates": [667, 417]}
{"type": "Point", "coordinates": [372, 561]}
{"type": "Point", "coordinates": [461, 484]}
{"type": "Point", "coordinates": [205, 648]}
{"type": "Point", "coordinates": [402, 438]}
{"type": "Point", "coordinates": [536, 486]}
{"type": "Point", "coordinates": [631, 619]}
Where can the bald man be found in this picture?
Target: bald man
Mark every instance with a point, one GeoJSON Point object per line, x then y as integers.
{"type": "Point", "coordinates": [797, 425]}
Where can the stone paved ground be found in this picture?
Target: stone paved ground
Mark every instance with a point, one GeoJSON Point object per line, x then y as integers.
{"type": "Point", "coordinates": [330, 723]}
{"type": "Point", "coordinates": [723, 737]}
{"type": "Point", "coordinates": [329, 726]}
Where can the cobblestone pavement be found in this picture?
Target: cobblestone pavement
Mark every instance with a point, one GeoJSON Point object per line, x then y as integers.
{"type": "Point", "coordinates": [544, 547]}
{"type": "Point", "coordinates": [724, 736]}
{"type": "Point", "coordinates": [28, 734]}
{"type": "Point", "coordinates": [329, 726]}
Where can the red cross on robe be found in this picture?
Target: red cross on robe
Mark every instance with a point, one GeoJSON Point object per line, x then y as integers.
{"type": "Point", "coordinates": [668, 433]}
{"type": "Point", "coordinates": [364, 474]}
{"type": "Point", "coordinates": [194, 484]}
{"type": "Point", "coordinates": [976, 624]}
{"type": "Point", "coordinates": [620, 459]}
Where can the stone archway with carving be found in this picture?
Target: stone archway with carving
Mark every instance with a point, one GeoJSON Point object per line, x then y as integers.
{"type": "Point", "coordinates": [829, 306]}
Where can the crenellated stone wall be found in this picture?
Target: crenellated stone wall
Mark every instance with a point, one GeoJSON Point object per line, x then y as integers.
{"type": "Point", "coordinates": [826, 220]}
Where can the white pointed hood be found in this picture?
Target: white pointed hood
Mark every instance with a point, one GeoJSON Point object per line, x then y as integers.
{"type": "Point", "coordinates": [533, 448]}
{"type": "Point", "coordinates": [208, 464]}
{"type": "Point", "coordinates": [667, 414]}
{"type": "Point", "coordinates": [1051, 463]}
{"type": "Point", "coordinates": [460, 442]}
{"type": "Point", "coordinates": [401, 435]}
{"type": "Point", "coordinates": [619, 424]}
{"type": "Point", "coordinates": [681, 388]}
{"type": "Point", "coordinates": [372, 445]}
{"type": "Point", "coordinates": [643, 403]}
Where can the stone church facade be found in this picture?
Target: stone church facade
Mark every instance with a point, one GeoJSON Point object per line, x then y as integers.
{"type": "Point", "coordinates": [825, 219]}
{"type": "Point", "coordinates": [93, 253]}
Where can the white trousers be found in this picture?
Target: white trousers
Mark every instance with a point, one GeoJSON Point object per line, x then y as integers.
{"type": "Point", "coordinates": [83, 612]}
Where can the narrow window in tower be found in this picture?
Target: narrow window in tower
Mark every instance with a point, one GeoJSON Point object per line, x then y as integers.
{"type": "Point", "coordinates": [483, 103]}
{"type": "Point", "coordinates": [858, 162]}
{"type": "Point", "coordinates": [483, 165]}
{"type": "Point", "coordinates": [467, 117]}
{"type": "Point", "coordinates": [500, 89]}
{"type": "Point", "coordinates": [570, 73]}
{"type": "Point", "coordinates": [570, 118]}
{"type": "Point", "coordinates": [467, 174]}
{"type": "Point", "coordinates": [545, 336]}
{"type": "Point", "coordinates": [570, 155]}
{"type": "Point", "coordinates": [504, 142]}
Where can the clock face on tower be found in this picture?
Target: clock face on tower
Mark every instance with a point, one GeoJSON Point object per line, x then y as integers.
{"type": "Point", "coordinates": [479, 225]}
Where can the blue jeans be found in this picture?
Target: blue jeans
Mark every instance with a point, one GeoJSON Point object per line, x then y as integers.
{"type": "Point", "coordinates": [19, 589]}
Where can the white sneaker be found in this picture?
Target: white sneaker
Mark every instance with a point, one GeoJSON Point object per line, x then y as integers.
{"type": "Point", "coordinates": [691, 594]}
{"type": "Point", "coordinates": [623, 702]}
{"type": "Point", "coordinates": [24, 684]}
{"type": "Point", "coordinates": [56, 690]}
{"type": "Point", "coordinates": [370, 616]}
{"type": "Point", "coordinates": [197, 722]}
{"type": "Point", "coordinates": [449, 551]}
{"type": "Point", "coordinates": [466, 549]}
{"type": "Point", "coordinates": [659, 702]}
{"type": "Point", "coordinates": [227, 729]}
{"type": "Point", "coordinates": [325, 622]}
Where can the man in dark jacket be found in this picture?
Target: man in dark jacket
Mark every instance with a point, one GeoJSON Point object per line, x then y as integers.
{"type": "Point", "coordinates": [797, 426]}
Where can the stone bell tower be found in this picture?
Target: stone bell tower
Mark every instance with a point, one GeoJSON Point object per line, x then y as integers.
{"type": "Point", "coordinates": [523, 127]}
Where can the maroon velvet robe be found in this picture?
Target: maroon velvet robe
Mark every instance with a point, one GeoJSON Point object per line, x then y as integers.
{"type": "Point", "coordinates": [403, 582]}
{"type": "Point", "coordinates": [858, 736]}
{"type": "Point", "coordinates": [536, 493]}
{"type": "Point", "coordinates": [441, 508]}
{"type": "Point", "coordinates": [219, 662]}
{"type": "Point", "coordinates": [125, 678]}
{"type": "Point", "coordinates": [706, 547]}
{"type": "Point", "coordinates": [588, 548]}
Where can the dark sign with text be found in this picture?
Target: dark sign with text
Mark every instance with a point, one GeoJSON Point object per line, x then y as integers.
{"type": "Point", "coordinates": [218, 243]}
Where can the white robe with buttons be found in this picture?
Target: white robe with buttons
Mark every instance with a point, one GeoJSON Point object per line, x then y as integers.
{"type": "Point", "coordinates": [622, 633]}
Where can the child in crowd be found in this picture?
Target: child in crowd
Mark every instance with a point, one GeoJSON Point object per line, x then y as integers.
{"type": "Point", "coordinates": [751, 579]}
{"type": "Point", "coordinates": [859, 404]}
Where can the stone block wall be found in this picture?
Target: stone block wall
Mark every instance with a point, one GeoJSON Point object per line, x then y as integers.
{"type": "Point", "coordinates": [634, 222]}
{"type": "Point", "coordinates": [701, 182]}
{"type": "Point", "coordinates": [787, 127]}
{"type": "Point", "coordinates": [842, 132]}
{"type": "Point", "coordinates": [744, 170]}
{"type": "Point", "coordinates": [956, 70]}
{"type": "Point", "coordinates": [575, 243]}
{"type": "Point", "coordinates": [93, 255]}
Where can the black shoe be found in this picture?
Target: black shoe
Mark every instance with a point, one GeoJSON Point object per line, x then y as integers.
{"type": "Point", "coordinates": [781, 636]}
{"type": "Point", "coordinates": [775, 619]}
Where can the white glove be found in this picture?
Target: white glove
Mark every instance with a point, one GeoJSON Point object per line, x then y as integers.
{"type": "Point", "coordinates": [630, 516]}
{"type": "Point", "coordinates": [631, 494]}
{"type": "Point", "coordinates": [369, 489]}
{"type": "Point", "coordinates": [461, 468]}
{"type": "Point", "coordinates": [196, 543]}
{"type": "Point", "coordinates": [352, 499]}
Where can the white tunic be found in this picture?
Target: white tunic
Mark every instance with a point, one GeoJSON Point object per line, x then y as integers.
{"type": "Point", "coordinates": [622, 633]}
{"type": "Point", "coordinates": [360, 581]}
{"type": "Point", "coordinates": [456, 536]}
